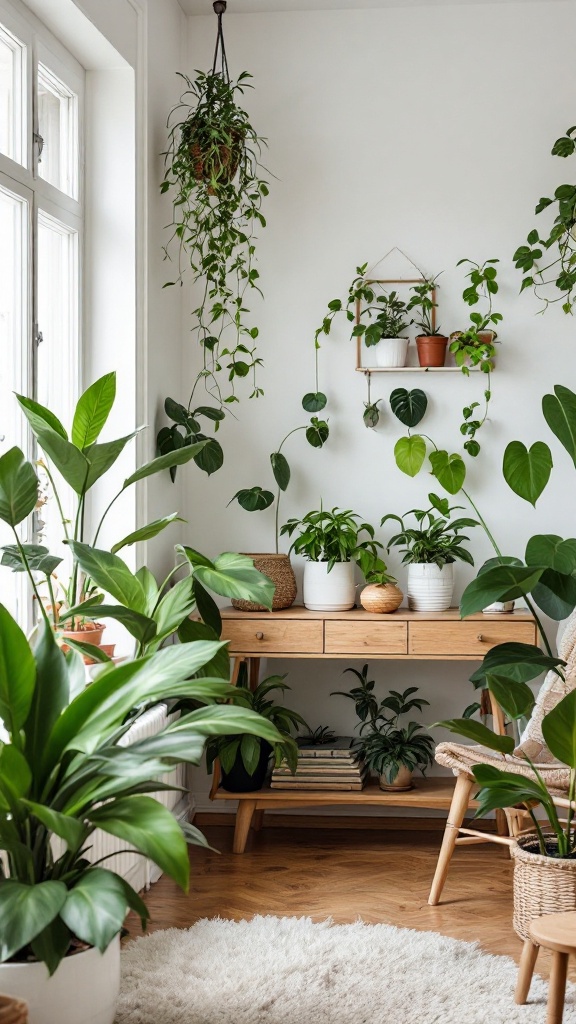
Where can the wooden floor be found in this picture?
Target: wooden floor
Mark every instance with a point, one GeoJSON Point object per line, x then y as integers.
{"type": "Point", "coordinates": [379, 875]}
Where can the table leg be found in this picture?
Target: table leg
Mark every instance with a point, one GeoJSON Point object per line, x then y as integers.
{"type": "Point", "coordinates": [557, 988]}
{"type": "Point", "coordinates": [253, 672]}
{"type": "Point", "coordinates": [216, 771]}
{"type": "Point", "coordinates": [525, 971]}
{"type": "Point", "coordinates": [244, 814]}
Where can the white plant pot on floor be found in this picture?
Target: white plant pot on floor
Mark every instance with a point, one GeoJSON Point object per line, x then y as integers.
{"type": "Point", "coordinates": [83, 989]}
{"type": "Point", "coordinates": [430, 588]}
{"type": "Point", "coordinates": [332, 591]}
{"type": "Point", "coordinates": [391, 352]}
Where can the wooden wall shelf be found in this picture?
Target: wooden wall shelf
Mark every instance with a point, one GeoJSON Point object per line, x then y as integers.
{"type": "Point", "coordinates": [414, 369]}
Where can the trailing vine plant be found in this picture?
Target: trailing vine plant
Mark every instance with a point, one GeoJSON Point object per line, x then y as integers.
{"type": "Point", "coordinates": [214, 176]}
{"type": "Point", "coordinates": [556, 245]}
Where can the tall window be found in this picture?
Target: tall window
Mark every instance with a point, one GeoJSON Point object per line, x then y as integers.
{"type": "Point", "coordinates": [41, 221]}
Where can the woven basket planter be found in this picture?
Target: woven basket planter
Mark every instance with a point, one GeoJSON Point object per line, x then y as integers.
{"type": "Point", "coordinates": [13, 1011]}
{"type": "Point", "coordinates": [542, 885]}
{"type": "Point", "coordinates": [228, 158]}
{"type": "Point", "coordinates": [277, 568]}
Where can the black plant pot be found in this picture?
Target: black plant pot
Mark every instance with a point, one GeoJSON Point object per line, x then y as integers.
{"type": "Point", "coordinates": [239, 781]}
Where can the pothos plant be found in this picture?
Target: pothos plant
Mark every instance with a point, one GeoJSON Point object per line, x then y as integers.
{"type": "Point", "coordinates": [215, 179]}
{"type": "Point", "coordinates": [556, 246]}
{"type": "Point", "coordinates": [424, 305]}
{"type": "Point", "coordinates": [258, 499]}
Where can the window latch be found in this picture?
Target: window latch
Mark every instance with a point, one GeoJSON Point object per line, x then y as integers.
{"type": "Point", "coordinates": [38, 337]}
{"type": "Point", "coordinates": [39, 141]}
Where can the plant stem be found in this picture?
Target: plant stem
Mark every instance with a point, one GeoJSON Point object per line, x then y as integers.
{"type": "Point", "coordinates": [58, 502]}
{"type": "Point", "coordinates": [31, 577]}
{"type": "Point", "coordinates": [483, 523]}
{"type": "Point", "coordinates": [541, 840]}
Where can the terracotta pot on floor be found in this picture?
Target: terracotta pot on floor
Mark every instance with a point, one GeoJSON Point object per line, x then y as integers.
{"type": "Point", "coordinates": [431, 350]}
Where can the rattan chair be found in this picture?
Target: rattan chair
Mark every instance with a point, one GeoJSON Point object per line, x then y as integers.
{"type": "Point", "coordinates": [461, 759]}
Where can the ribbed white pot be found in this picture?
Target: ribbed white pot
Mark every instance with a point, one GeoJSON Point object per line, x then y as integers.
{"type": "Point", "coordinates": [430, 588]}
{"type": "Point", "coordinates": [83, 989]}
{"type": "Point", "coordinates": [332, 591]}
{"type": "Point", "coordinates": [391, 352]}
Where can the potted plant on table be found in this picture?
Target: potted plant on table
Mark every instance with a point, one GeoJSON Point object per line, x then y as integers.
{"type": "Point", "coordinates": [67, 768]}
{"type": "Point", "coordinates": [431, 343]}
{"type": "Point", "coordinates": [392, 751]}
{"type": "Point", "coordinates": [430, 550]}
{"type": "Point", "coordinates": [382, 593]}
{"type": "Point", "coordinates": [244, 759]}
{"type": "Point", "coordinates": [330, 543]}
{"type": "Point", "coordinates": [385, 333]}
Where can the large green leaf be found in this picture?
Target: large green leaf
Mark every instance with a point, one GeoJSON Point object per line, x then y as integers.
{"type": "Point", "coordinates": [501, 789]}
{"type": "Point", "coordinates": [560, 414]}
{"type": "Point", "coordinates": [521, 662]}
{"type": "Point", "coordinates": [52, 944]}
{"type": "Point", "coordinates": [37, 556]}
{"type": "Point", "coordinates": [503, 583]}
{"type": "Point", "coordinates": [141, 627]}
{"type": "Point", "coordinates": [83, 610]}
{"type": "Point", "coordinates": [211, 456]}
{"type": "Point", "coordinates": [111, 574]}
{"type": "Point", "coordinates": [550, 550]}
{"type": "Point", "coordinates": [555, 594]}
{"type": "Point", "coordinates": [151, 829]}
{"type": "Point", "coordinates": [92, 410]}
{"type": "Point", "coordinates": [70, 462]}
{"type": "Point", "coordinates": [559, 730]}
{"type": "Point", "coordinates": [17, 673]}
{"type": "Point", "coordinates": [175, 606]}
{"type": "Point", "coordinates": [147, 532]}
{"type": "Point", "coordinates": [39, 417]}
{"type": "Point", "coordinates": [176, 458]}
{"type": "Point", "coordinates": [69, 829]}
{"type": "Point", "coordinates": [527, 471]}
{"type": "Point", "coordinates": [408, 406]}
{"type": "Point", "coordinates": [516, 699]}
{"type": "Point", "coordinates": [224, 720]}
{"type": "Point", "coordinates": [410, 453]}
{"type": "Point", "coordinates": [102, 456]}
{"type": "Point", "coordinates": [253, 499]}
{"type": "Point", "coordinates": [95, 908]}
{"type": "Point", "coordinates": [233, 575]}
{"type": "Point", "coordinates": [280, 469]}
{"type": "Point", "coordinates": [15, 776]}
{"type": "Point", "coordinates": [479, 733]}
{"type": "Point", "coordinates": [18, 487]}
{"type": "Point", "coordinates": [149, 586]}
{"type": "Point", "coordinates": [449, 470]}
{"type": "Point", "coordinates": [51, 696]}
{"type": "Point", "coordinates": [207, 608]}
{"type": "Point", "coordinates": [189, 631]}
{"type": "Point", "coordinates": [314, 401]}
{"type": "Point", "coordinates": [25, 910]}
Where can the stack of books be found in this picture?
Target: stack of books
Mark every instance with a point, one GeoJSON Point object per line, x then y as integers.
{"type": "Point", "coordinates": [333, 765]}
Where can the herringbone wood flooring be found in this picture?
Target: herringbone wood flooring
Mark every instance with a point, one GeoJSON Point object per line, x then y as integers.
{"type": "Point", "coordinates": [377, 874]}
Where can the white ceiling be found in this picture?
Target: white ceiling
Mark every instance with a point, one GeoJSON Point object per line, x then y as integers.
{"type": "Point", "coordinates": [276, 6]}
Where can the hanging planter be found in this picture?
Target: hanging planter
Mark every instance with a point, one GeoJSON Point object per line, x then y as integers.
{"type": "Point", "coordinates": [214, 177]}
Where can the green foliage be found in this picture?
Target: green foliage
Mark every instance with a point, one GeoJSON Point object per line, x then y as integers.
{"type": "Point", "coordinates": [527, 471]}
{"type": "Point", "coordinates": [408, 406]}
{"type": "Point", "coordinates": [560, 414]}
{"type": "Point", "coordinates": [214, 178]}
{"type": "Point", "coordinates": [333, 537]}
{"type": "Point", "coordinates": [386, 314]}
{"type": "Point", "coordinates": [424, 303]}
{"type": "Point", "coordinates": [435, 539]}
{"type": "Point", "coordinates": [475, 345]}
{"type": "Point", "coordinates": [410, 453]}
{"type": "Point", "coordinates": [383, 744]}
{"type": "Point", "coordinates": [449, 470]}
{"type": "Point", "coordinates": [319, 737]}
{"type": "Point", "coordinates": [186, 431]}
{"type": "Point", "coordinates": [283, 719]}
{"type": "Point", "coordinates": [371, 414]}
{"type": "Point", "coordinates": [556, 246]}
{"type": "Point", "coordinates": [65, 771]}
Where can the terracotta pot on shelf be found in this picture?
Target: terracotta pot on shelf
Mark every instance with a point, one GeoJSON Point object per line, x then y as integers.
{"type": "Point", "coordinates": [277, 568]}
{"type": "Point", "coordinates": [431, 349]}
{"type": "Point", "coordinates": [401, 782]}
{"type": "Point", "coordinates": [381, 598]}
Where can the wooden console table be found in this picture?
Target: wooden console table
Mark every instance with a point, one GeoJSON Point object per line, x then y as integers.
{"type": "Point", "coordinates": [403, 635]}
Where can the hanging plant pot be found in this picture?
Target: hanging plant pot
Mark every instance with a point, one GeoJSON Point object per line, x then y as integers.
{"type": "Point", "coordinates": [431, 349]}
{"type": "Point", "coordinates": [277, 568]}
{"type": "Point", "coordinates": [391, 352]}
{"type": "Point", "coordinates": [214, 163]}
{"type": "Point", "coordinates": [238, 780]}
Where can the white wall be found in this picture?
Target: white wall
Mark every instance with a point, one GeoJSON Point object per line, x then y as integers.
{"type": "Point", "coordinates": [429, 129]}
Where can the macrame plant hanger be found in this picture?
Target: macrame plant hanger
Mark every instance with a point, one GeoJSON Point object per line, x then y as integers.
{"type": "Point", "coordinates": [220, 51]}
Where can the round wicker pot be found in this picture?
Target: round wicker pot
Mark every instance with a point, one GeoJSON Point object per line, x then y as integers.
{"type": "Point", "coordinates": [542, 885]}
{"type": "Point", "coordinates": [13, 1011]}
{"type": "Point", "coordinates": [381, 598]}
{"type": "Point", "coordinates": [277, 568]}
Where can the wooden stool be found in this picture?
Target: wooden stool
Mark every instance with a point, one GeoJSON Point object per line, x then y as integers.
{"type": "Point", "coordinates": [556, 932]}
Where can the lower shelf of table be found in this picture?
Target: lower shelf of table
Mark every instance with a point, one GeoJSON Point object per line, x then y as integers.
{"type": "Point", "coordinates": [433, 794]}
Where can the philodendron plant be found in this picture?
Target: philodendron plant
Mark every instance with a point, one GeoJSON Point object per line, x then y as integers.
{"type": "Point", "coordinates": [334, 536]}
{"type": "Point", "coordinates": [436, 539]}
{"type": "Point", "coordinates": [65, 772]}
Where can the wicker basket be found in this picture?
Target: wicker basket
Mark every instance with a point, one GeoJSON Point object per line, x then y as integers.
{"type": "Point", "coordinates": [277, 568]}
{"type": "Point", "coordinates": [13, 1011]}
{"type": "Point", "coordinates": [542, 885]}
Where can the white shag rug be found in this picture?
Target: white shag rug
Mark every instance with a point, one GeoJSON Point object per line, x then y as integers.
{"type": "Point", "coordinates": [289, 970]}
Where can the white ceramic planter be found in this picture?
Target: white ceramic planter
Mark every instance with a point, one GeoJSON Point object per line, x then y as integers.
{"type": "Point", "coordinates": [429, 588]}
{"type": "Point", "coordinates": [83, 989]}
{"type": "Point", "coordinates": [332, 591]}
{"type": "Point", "coordinates": [391, 352]}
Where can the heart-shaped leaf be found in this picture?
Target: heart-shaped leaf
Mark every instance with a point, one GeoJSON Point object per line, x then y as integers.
{"type": "Point", "coordinates": [551, 550]}
{"type": "Point", "coordinates": [314, 401]}
{"type": "Point", "coordinates": [281, 470]}
{"type": "Point", "coordinates": [555, 594]}
{"type": "Point", "coordinates": [503, 583]}
{"type": "Point", "coordinates": [560, 414]}
{"type": "Point", "coordinates": [408, 406]}
{"type": "Point", "coordinates": [527, 471]}
{"type": "Point", "coordinates": [253, 499]}
{"type": "Point", "coordinates": [449, 470]}
{"type": "Point", "coordinates": [515, 698]}
{"type": "Point", "coordinates": [317, 433]}
{"type": "Point", "coordinates": [410, 453]}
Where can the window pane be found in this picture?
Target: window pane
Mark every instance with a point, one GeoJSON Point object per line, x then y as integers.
{"type": "Point", "coordinates": [58, 129]}
{"type": "Point", "coordinates": [57, 361]}
{"type": "Point", "coordinates": [11, 95]}
{"type": "Point", "coordinates": [13, 349]}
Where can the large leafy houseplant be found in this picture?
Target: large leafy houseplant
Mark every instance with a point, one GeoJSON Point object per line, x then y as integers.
{"type": "Point", "coordinates": [64, 772]}
{"type": "Point", "coordinates": [333, 536]}
{"type": "Point", "coordinates": [436, 539]}
{"type": "Point", "coordinates": [384, 744]}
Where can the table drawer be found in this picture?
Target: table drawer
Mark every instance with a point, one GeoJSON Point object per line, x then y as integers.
{"type": "Point", "coordinates": [274, 636]}
{"type": "Point", "coordinates": [468, 638]}
{"type": "Point", "coordinates": [387, 637]}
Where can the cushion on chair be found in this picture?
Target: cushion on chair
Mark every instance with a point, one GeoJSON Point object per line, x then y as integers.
{"type": "Point", "coordinates": [461, 758]}
{"type": "Point", "coordinates": [553, 689]}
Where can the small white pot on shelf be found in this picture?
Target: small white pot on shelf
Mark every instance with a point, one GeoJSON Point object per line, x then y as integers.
{"type": "Point", "coordinates": [332, 591]}
{"type": "Point", "coordinates": [430, 588]}
{"type": "Point", "coordinates": [391, 352]}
